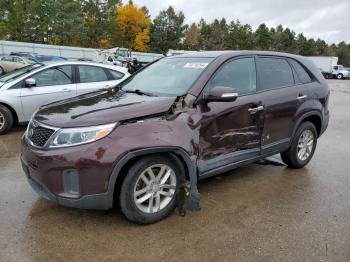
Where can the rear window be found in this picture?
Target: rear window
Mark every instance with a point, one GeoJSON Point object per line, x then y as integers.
{"type": "Point", "coordinates": [90, 74]}
{"type": "Point", "coordinates": [302, 75]}
{"type": "Point", "coordinates": [274, 73]}
{"type": "Point", "coordinates": [116, 75]}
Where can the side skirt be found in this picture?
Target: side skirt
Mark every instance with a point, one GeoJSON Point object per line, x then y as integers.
{"type": "Point", "coordinates": [266, 151]}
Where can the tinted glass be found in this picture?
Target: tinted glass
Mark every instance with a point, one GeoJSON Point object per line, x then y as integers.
{"type": "Point", "coordinates": [239, 74]}
{"type": "Point", "coordinates": [302, 75]}
{"type": "Point", "coordinates": [92, 74]}
{"type": "Point", "coordinates": [169, 76]}
{"type": "Point", "coordinates": [6, 58]}
{"type": "Point", "coordinates": [54, 76]}
{"type": "Point", "coordinates": [274, 73]}
{"type": "Point", "coordinates": [116, 75]}
{"type": "Point", "coordinates": [18, 60]}
{"type": "Point", "coordinates": [19, 72]}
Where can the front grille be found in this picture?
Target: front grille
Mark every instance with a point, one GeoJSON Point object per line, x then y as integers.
{"type": "Point", "coordinates": [39, 135]}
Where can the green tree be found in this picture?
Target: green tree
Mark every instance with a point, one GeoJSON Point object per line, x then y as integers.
{"type": "Point", "coordinates": [321, 47]}
{"type": "Point", "coordinates": [67, 24]}
{"type": "Point", "coordinates": [343, 52]}
{"type": "Point", "coordinates": [213, 36]}
{"type": "Point", "coordinates": [167, 30]}
{"type": "Point", "coordinates": [263, 37]}
{"type": "Point", "coordinates": [240, 37]}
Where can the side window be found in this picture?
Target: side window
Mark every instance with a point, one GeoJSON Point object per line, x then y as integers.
{"type": "Point", "coordinates": [61, 75]}
{"type": "Point", "coordinates": [274, 73]}
{"type": "Point", "coordinates": [302, 75]}
{"type": "Point", "coordinates": [239, 74]}
{"type": "Point", "coordinates": [7, 58]}
{"type": "Point", "coordinates": [18, 60]}
{"type": "Point", "coordinates": [92, 74]}
{"type": "Point", "coordinates": [116, 75]}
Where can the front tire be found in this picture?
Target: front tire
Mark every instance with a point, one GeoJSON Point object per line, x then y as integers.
{"type": "Point", "coordinates": [340, 76]}
{"type": "Point", "coordinates": [148, 192]}
{"type": "Point", "coordinates": [303, 146]}
{"type": "Point", "coordinates": [2, 71]}
{"type": "Point", "coordinates": [6, 120]}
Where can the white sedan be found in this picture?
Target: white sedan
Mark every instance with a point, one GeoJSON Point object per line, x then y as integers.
{"type": "Point", "coordinates": [23, 91]}
{"type": "Point", "coordinates": [11, 63]}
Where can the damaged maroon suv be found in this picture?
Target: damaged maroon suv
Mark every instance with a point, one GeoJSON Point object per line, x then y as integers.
{"type": "Point", "coordinates": [145, 143]}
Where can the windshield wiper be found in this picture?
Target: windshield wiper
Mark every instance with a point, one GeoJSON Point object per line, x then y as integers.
{"type": "Point", "coordinates": [139, 92]}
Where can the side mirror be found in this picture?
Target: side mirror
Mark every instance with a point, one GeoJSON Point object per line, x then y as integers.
{"type": "Point", "coordinates": [221, 94]}
{"type": "Point", "coordinates": [30, 82]}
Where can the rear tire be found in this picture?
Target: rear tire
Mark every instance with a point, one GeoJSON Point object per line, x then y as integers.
{"type": "Point", "coordinates": [139, 189]}
{"type": "Point", "coordinates": [303, 146]}
{"type": "Point", "coordinates": [2, 71]}
{"type": "Point", "coordinates": [6, 120]}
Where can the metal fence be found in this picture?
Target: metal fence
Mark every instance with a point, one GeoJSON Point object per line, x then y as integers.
{"type": "Point", "coordinates": [6, 47]}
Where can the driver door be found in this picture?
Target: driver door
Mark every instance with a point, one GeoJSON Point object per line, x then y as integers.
{"type": "Point", "coordinates": [51, 85]}
{"type": "Point", "coordinates": [231, 131]}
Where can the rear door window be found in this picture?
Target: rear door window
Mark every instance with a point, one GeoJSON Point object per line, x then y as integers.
{"type": "Point", "coordinates": [116, 75]}
{"type": "Point", "coordinates": [90, 74]}
{"type": "Point", "coordinates": [302, 75]}
{"type": "Point", "coordinates": [274, 73]}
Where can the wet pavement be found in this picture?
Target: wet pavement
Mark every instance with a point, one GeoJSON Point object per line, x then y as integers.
{"type": "Point", "coordinates": [255, 213]}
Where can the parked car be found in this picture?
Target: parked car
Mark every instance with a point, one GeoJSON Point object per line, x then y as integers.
{"type": "Point", "coordinates": [23, 91]}
{"type": "Point", "coordinates": [177, 120]}
{"type": "Point", "coordinates": [39, 58]}
{"type": "Point", "coordinates": [11, 63]}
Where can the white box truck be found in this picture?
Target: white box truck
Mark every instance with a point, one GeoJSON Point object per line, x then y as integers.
{"type": "Point", "coordinates": [329, 67]}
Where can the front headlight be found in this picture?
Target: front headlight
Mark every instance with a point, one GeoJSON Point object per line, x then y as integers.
{"type": "Point", "coordinates": [82, 135]}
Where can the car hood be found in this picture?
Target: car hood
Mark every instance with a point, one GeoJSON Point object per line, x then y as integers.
{"type": "Point", "coordinates": [101, 107]}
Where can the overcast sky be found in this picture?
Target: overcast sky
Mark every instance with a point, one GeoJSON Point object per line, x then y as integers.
{"type": "Point", "coordinates": [325, 19]}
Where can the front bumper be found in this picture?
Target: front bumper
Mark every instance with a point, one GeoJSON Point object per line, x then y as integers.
{"type": "Point", "coordinates": [95, 201]}
{"type": "Point", "coordinates": [75, 177]}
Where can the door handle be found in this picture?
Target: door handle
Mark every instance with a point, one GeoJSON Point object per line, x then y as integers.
{"type": "Point", "coordinates": [66, 90]}
{"type": "Point", "coordinates": [301, 96]}
{"type": "Point", "coordinates": [255, 109]}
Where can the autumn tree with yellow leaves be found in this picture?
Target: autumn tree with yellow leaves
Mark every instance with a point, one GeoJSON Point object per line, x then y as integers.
{"type": "Point", "coordinates": [134, 25]}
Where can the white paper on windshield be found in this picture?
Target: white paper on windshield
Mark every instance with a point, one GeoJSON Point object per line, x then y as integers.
{"type": "Point", "coordinates": [196, 65]}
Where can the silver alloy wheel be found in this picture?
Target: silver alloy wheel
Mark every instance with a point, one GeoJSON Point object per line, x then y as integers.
{"type": "Point", "coordinates": [305, 144]}
{"type": "Point", "coordinates": [2, 120]}
{"type": "Point", "coordinates": [155, 188]}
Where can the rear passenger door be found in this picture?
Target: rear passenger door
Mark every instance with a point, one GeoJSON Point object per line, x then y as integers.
{"type": "Point", "coordinates": [282, 95]}
{"type": "Point", "coordinates": [93, 78]}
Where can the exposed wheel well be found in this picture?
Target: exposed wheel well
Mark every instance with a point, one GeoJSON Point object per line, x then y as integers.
{"type": "Point", "coordinates": [316, 120]}
{"type": "Point", "coordinates": [13, 112]}
{"type": "Point", "coordinates": [123, 172]}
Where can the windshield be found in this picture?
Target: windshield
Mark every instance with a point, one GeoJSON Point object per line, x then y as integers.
{"type": "Point", "coordinates": [31, 60]}
{"type": "Point", "coordinates": [168, 76]}
{"type": "Point", "coordinates": [19, 72]}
